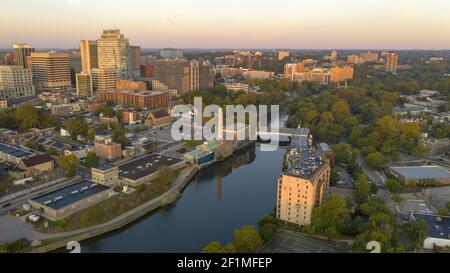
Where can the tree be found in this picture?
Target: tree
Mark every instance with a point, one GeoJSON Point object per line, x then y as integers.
{"type": "Point", "coordinates": [362, 190]}
{"type": "Point", "coordinates": [393, 185]}
{"type": "Point", "coordinates": [76, 127]}
{"type": "Point", "coordinates": [27, 116]}
{"type": "Point", "coordinates": [333, 216]}
{"type": "Point", "coordinates": [247, 239]}
{"type": "Point", "coordinates": [91, 134]}
{"type": "Point", "coordinates": [417, 231]}
{"type": "Point", "coordinates": [341, 153]}
{"type": "Point", "coordinates": [213, 247]}
{"type": "Point", "coordinates": [267, 231]}
{"type": "Point", "coordinates": [91, 160]}
{"type": "Point", "coordinates": [165, 175]}
{"type": "Point", "coordinates": [118, 135]}
{"type": "Point", "coordinates": [375, 160]}
{"type": "Point", "coordinates": [69, 163]}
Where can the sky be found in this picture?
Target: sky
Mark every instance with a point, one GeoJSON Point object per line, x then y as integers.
{"type": "Point", "coordinates": [302, 24]}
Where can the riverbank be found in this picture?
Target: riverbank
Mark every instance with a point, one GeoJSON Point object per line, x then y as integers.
{"type": "Point", "coordinates": [51, 242]}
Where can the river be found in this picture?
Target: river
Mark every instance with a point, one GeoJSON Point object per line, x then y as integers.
{"type": "Point", "coordinates": [226, 196]}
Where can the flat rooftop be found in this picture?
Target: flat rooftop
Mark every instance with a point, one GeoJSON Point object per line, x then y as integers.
{"type": "Point", "coordinates": [104, 166]}
{"type": "Point", "coordinates": [146, 165]}
{"type": "Point", "coordinates": [14, 151]}
{"type": "Point", "coordinates": [70, 194]}
{"type": "Point", "coordinates": [422, 172]}
{"type": "Point", "coordinates": [436, 229]}
{"type": "Point", "coordinates": [308, 163]}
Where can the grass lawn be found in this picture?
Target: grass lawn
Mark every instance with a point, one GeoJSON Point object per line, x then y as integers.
{"type": "Point", "coordinates": [106, 210]}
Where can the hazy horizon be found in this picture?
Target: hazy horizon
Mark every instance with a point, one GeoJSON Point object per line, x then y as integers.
{"type": "Point", "coordinates": [232, 24]}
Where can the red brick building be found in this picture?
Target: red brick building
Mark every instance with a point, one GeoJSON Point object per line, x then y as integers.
{"type": "Point", "coordinates": [147, 70]}
{"type": "Point", "coordinates": [141, 99]}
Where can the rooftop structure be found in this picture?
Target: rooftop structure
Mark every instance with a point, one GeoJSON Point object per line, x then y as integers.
{"type": "Point", "coordinates": [421, 174]}
{"type": "Point", "coordinates": [438, 230]}
{"type": "Point", "coordinates": [144, 168]}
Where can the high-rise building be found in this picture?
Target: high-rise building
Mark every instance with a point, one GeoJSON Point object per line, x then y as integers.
{"type": "Point", "coordinates": [391, 63]}
{"type": "Point", "coordinates": [89, 55]}
{"type": "Point", "coordinates": [206, 75]}
{"type": "Point", "coordinates": [305, 183]}
{"type": "Point", "coordinates": [104, 79]}
{"type": "Point", "coordinates": [114, 52]}
{"type": "Point", "coordinates": [283, 54]}
{"type": "Point", "coordinates": [147, 70]}
{"type": "Point", "coordinates": [51, 70]}
{"type": "Point", "coordinates": [21, 53]}
{"type": "Point", "coordinates": [369, 57]}
{"type": "Point", "coordinates": [174, 73]}
{"type": "Point", "coordinates": [15, 82]}
{"type": "Point", "coordinates": [289, 71]}
{"type": "Point", "coordinates": [84, 85]}
{"type": "Point", "coordinates": [8, 58]}
{"type": "Point", "coordinates": [135, 60]}
{"type": "Point", "coordinates": [171, 53]}
{"type": "Point", "coordinates": [353, 59]}
{"type": "Point", "coordinates": [334, 55]}
{"type": "Point", "coordinates": [341, 74]}
{"type": "Point", "coordinates": [194, 75]}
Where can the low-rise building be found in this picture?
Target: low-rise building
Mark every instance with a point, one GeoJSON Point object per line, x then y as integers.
{"type": "Point", "coordinates": [61, 203]}
{"type": "Point", "coordinates": [436, 146]}
{"type": "Point", "coordinates": [421, 174]}
{"type": "Point", "coordinates": [158, 118]}
{"type": "Point", "coordinates": [146, 168]}
{"type": "Point", "coordinates": [108, 150]}
{"type": "Point", "coordinates": [438, 230]}
{"type": "Point", "coordinates": [37, 163]}
{"type": "Point", "coordinates": [106, 174]}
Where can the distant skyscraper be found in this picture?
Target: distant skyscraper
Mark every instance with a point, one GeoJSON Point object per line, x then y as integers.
{"type": "Point", "coordinates": [84, 85]}
{"type": "Point", "coordinates": [114, 52]}
{"type": "Point", "coordinates": [8, 58]}
{"type": "Point", "coordinates": [21, 53]}
{"type": "Point", "coordinates": [289, 71]}
{"type": "Point", "coordinates": [15, 82]}
{"type": "Point", "coordinates": [353, 59]}
{"type": "Point", "coordinates": [369, 57]}
{"type": "Point", "coordinates": [171, 53]}
{"type": "Point", "coordinates": [194, 75]}
{"type": "Point", "coordinates": [334, 55]}
{"type": "Point", "coordinates": [51, 70]}
{"type": "Point", "coordinates": [206, 75]}
{"type": "Point", "coordinates": [135, 60]}
{"type": "Point", "coordinates": [391, 63]}
{"type": "Point", "coordinates": [89, 55]}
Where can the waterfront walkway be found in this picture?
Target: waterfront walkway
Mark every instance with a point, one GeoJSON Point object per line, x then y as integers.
{"type": "Point", "coordinates": [13, 229]}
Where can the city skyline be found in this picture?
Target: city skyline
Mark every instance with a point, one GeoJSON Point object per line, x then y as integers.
{"type": "Point", "coordinates": [345, 24]}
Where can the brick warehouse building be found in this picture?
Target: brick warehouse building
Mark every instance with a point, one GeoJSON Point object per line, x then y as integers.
{"type": "Point", "coordinates": [141, 99]}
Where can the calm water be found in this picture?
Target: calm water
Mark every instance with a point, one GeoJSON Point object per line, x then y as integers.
{"type": "Point", "coordinates": [219, 200]}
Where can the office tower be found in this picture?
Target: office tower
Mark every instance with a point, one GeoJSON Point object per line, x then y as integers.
{"type": "Point", "coordinates": [147, 70]}
{"type": "Point", "coordinates": [391, 63]}
{"type": "Point", "coordinates": [8, 59]}
{"type": "Point", "coordinates": [194, 75]}
{"type": "Point", "coordinates": [283, 54]}
{"type": "Point", "coordinates": [135, 60]}
{"type": "Point", "coordinates": [174, 73]}
{"type": "Point", "coordinates": [289, 71]}
{"type": "Point", "coordinates": [206, 75]}
{"type": "Point", "coordinates": [171, 53]}
{"type": "Point", "coordinates": [51, 70]}
{"type": "Point", "coordinates": [104, 79]}
{"type": "Point", "coordinates": [305, 183]}
{"type": "Point", "coordinates": [84, 85]}
{"type": "Point", "coordinates": [341, 74]}
{"type": "Point", "coordinates": [21, 53]}
{"type": "Point", "coordinates": [89, 55]}
{"type": "Point", "coordinates": [353, 59]}
{"type": "Point", "coordinates": [369, 57]}
{"type": "Point", "coordinates": [114, 52]}
{"type": "Point", "coordinates": [15, 82]}
{"type": "Point", "coordinates": [334, 55]}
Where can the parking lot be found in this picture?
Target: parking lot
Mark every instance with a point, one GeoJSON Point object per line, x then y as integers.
{"type": "Point", "coordinates": [414, 202]}
{"type": "Point", "coordinates": [288, 242]}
